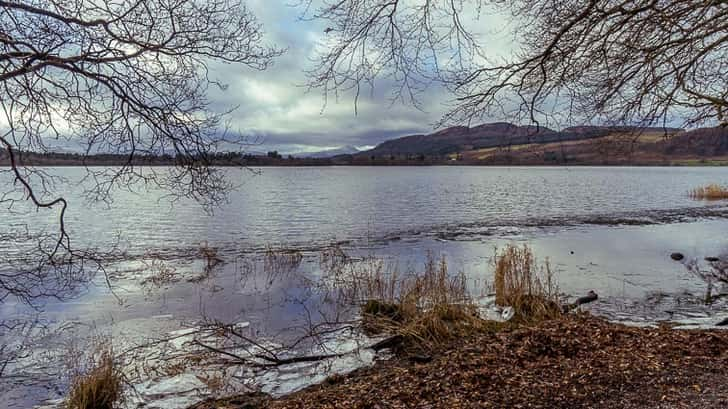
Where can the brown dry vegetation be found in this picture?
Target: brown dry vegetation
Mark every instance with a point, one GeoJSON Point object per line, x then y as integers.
{"type": "Point", "coordinates": [430, 308]}
{"type": "Point", "coordinates": [100, 387]}
{"type": "Point", "coordinates": [525, 286]}
{"type": "Point", "coordinates": [577, 361]}
{"type": "Point", "coordinates": [693, 148]}
{"type": "Point", "coordinates": [426, 309]}
{"type": "Point", "coordinates": [709, 192]}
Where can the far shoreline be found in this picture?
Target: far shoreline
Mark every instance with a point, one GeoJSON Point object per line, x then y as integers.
{"type": "Point", "coordinates": [708, 162]}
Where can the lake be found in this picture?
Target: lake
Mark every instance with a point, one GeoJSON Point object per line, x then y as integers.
{"type": "Point", "coordinates": [605, 229]}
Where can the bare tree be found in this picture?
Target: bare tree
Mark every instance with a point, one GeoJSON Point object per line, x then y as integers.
{"type": "Point", "coordinates": [126, 77]}
{"type": "Point", "coordinates": [636, 62]}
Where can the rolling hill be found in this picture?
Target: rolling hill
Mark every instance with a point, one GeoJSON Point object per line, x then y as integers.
{"type": "Point", "coordinates": [493, 135]}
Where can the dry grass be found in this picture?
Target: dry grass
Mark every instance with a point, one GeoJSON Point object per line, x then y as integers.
{"type": "Point", "coordinates": [432, 307]}
{"type": "Point", "coordinates": [426, 308]}
{"type": "Point", "coordinates": [709, 192]}
{"type": "Point", "coordinates": [281, 260]}
{"type": "Point", "coordinates": [521, 284]}
{"type": "Point", "coordinates": [715, 274]}
{"type": "Point", "coordinates": [100, 387]}
{"type": "Point", "coordinates": [210, 255]}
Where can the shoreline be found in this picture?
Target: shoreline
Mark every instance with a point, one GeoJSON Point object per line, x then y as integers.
{"type": "Point", "coordinates": [708, 162]}
{"type": "Point", "coordinates": [577, 239]}
{"type": "Point", "coordinates": [579, 361]}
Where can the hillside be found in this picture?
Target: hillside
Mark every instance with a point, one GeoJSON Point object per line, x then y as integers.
{"type": "Point", "coordinates": [502, 143]}
{"type": "Point", "coordinates": [344, 150]}
{"type": "Point", "coordinates": [488, 144]}
{"type": "Point", "coordinates": [499, 134]}
{"type": "Point", "coordinates": [650, 147]}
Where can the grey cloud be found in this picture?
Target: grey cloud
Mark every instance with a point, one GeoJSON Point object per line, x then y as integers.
{"type": "Point", "coordinates": [284, 141]}
{"type": "Point", "coordinates": [274, 105]}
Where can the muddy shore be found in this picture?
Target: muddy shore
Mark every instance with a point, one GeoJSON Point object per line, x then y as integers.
{"type": "Point", "coordinates": [577, 362]}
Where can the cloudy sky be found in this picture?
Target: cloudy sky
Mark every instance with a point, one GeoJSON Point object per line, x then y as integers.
{"type": "Point", "coordinates": [275, 107]}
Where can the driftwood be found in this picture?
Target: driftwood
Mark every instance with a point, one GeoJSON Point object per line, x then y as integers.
{"type": "Point", "coordinates": [269, 359]}
{"type": "Point", "coordinates": [387, 343]}
{"type": "Point", "coordinates": [590, 297]}
{"type": "Point", "coordinates": [272, 360]}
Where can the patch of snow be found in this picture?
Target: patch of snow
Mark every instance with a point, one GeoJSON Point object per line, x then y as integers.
{"type": "Point", "coordinates": [169, 393]}
{"type": "Point", "coordinates": [490, 311]}
{"type": "Point", "coordinates": [701, 322]}
{"type": "Point", "coordinates": [290, 378]}
{"type": "Point", "coordinates": [181, 337]}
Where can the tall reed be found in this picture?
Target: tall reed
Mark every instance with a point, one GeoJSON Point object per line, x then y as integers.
{"type": "Point", "coordinates": [520, 283]}
{"type": "Point", "coordinates": [100, 386]}
{"type": "Point", "coordinates": [709, 192]}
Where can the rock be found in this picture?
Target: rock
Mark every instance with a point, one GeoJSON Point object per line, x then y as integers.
{"type": "Point", "coordinates": [677, 256]}
{"type": "Point", "coordinates": [712, 259]}
{"type": "Point", "coordinates": [722, 322]}
{"type": "Point", "coordinates": [508, 313]}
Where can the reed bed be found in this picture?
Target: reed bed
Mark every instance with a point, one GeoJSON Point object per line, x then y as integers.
{"type": "Point", "coordinates": [281, 260]}
{"type": "Point", "coordinates": [100, 387]}
{"type": "Point", "coordinates": [709, 192]}
{"type": "Point", "coordinates": [433, 306]}
{"type": "Point", "coordinates": [425, 308]}
{"type": "Point", "coordinates": [525, 286]}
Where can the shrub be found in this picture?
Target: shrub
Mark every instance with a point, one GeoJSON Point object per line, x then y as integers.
{"type": "Point", "coordinates": [717, 273]}
{"type": "Point", "coordinates": [709, 192]}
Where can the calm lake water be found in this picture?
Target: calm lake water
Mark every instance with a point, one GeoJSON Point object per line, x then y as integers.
{"type": "Point", "coordinates": [317, 205]}
{"type": "Point", "coordinates": [606, 229]}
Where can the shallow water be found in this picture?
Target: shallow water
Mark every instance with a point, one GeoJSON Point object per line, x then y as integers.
{"type": "Point", "coordinates": [605, 229]}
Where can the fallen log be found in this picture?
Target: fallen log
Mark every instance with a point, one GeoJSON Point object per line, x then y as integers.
{"type": "Point", "coordinates": [590, 297]}
{"type": "Point", "coordinates": [387, 343]}
{"type": "Point", "coordinates": [271, 360]}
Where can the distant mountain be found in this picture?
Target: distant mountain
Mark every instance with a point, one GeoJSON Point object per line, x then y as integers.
{"type": "Point", "coordinates": [329, 153]}
{"type": "Point", "coordinates": [499, 134]}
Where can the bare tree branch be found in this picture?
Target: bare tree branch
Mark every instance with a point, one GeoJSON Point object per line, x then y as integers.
{"type": "Point", "coordinates": [636, 62]}
{"type": "Point", "coordinates": [126, 77]}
